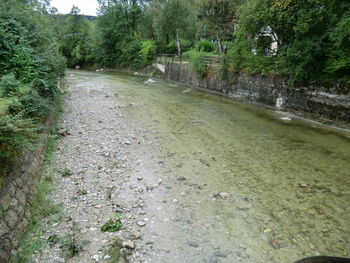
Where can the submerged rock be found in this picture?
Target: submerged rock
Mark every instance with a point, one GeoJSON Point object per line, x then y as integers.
{"type": "Point", "coordinates": [193, 244]}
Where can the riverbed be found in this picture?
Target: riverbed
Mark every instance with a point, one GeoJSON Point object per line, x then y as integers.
{"type": "Point", "coordinates": [202, 178]}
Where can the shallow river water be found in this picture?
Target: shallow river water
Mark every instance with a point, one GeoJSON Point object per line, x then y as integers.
{"type": "Point", "coordinates": [239, 184]}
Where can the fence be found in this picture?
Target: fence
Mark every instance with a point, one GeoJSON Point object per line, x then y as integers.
{"type": "Point", "coordinates": [172, 58]}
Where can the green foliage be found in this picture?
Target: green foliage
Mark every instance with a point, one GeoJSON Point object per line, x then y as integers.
{"type": "Point", "coordinates": [72, 244]}
{"type": "Point", "coordinates": [313, 37]}
{"type": "Point", "coordinates": [16, 133]}
{"type": "Point", "coordinates": [218, 19]}
{"type": "Point", "coordinates": [148, 52]}
{"type": "Point", "coordinates": [66, 173]}
{"type": "Point", "coordinates": [112, 225]}
{"type": "Point", "coordinates": [185, 45]}
{"type": "Point", "coordinates": [30, 66]}
{"type": "Point", "coordinates": [75, 35]}
{"type": "Point", "coordinates": [113, 250]}
{"type": "Point", "coordinates": [9, 86]}
{"type": "Point", "coordinates": [130, 54]}
{"type": "Point", "coordinates": [239, 57]}
{"type": "Point", "coordinates": [199, 63]}
{"type": "Point", "coordinates": [4, 106]}
{"type": "Point", "coordinates": [206, 46]}
{"type": "Point", "coordinates": [172, 18]}
{"type": "Point", "coordinates": [338, 63]}
{"type": "Point", "coordinates": [35, 106]}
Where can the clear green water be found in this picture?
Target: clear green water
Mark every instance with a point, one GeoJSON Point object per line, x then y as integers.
{"type": "Point", "coordinates": [288, 183]}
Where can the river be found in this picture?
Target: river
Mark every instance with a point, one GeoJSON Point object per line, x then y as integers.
{"type": "Point", "coordinates": [200, 177]}
{"type": "Point", "coordinates": [284, 184]}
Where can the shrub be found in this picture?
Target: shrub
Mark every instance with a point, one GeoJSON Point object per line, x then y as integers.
{"type": "Point", "coordinates": [9, 86]}
{"type": "Point", "coordinates": [148, 51]}
{"type": "Point", "coordinates": [206, 46]}
{"type": "Point", "coordinates": [130, 54]}
{"type": "Point", "coordinates": [4, 106]}
{"type": "Point", "coordinates": [199, 63]}
{"type": "Point", "coordinates": [16, 133]}
{"type": "Point", "coordinates": [185, 44]}
{"type": "Point", "coordinates": [35, 106]}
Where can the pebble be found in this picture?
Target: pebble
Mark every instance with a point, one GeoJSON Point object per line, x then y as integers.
{"type": "Point", "coordinates": [224, 195]}
{"type": "Point", "coordinates": [213, 259]}
{"type": "Point", "coordinates": [141, 223]}
{"type": "Point", "coordinates": [135, 235]}
{"type": "Point", "coordinates": [278, 244]}
{"type": "Point", "coordinates": [95, 257]}
{"type": "Point", "coordinates": [244, 206]}
{"type": "Point", "coordinates": [149, 187]}
{"type": "Point", "coordinates": [175, 200]}
{"type": "Point", "coordinates": [286, 119]}
{"type": "Point", "coordinates": [193, 244]}
{"type": "Point", "coordinates": [220, 255]}
{"type": "Point", "coordinates": [59, 260]}
{"type": "Point", "coordinates": [128, 244]}
{"type": "Point", "coordinates": [139, 178]}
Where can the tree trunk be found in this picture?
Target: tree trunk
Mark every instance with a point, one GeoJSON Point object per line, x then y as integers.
{"type": "Point", "coordinates": [178, 43]}
{"type": "Point", "coordinates": [220, 48]}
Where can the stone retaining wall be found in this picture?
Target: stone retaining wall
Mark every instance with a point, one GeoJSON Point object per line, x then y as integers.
{"type": "Point", "coordinates": [15, 200]}
{"type": "Point", "coordinates": [332, 103]}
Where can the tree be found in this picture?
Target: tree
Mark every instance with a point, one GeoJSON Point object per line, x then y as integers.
{"type": "Point", "coordinates": [175, 19]}
{"type": "Point", "coordinates": [75, 35]}
{"type": "Point", "coordinates": [220, 19]}
{"type": "Point", "coordinates": [307, 33]}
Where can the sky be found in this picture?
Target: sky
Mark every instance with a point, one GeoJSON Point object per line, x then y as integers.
{"type": "Point", "coordinates": [87, 7]}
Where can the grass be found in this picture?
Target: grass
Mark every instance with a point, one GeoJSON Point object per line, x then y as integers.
{"type": "Point", "coordinates": [113, 251]}
{"type": "Point", "coordinates": [66, 173]}
{"type": "Point", "coordinates": [71, 243]}
{"type": "Point", "coordinates": [42, 206]}
{"type": "Point", "coordinates": [112, 225]}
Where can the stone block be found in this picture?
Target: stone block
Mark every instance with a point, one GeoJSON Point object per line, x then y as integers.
{"type": "Point", "coordinates": [11, 219]}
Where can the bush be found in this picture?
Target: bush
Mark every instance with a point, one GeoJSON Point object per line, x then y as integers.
{"type": "Point", "coordinates": [35, 106]}
{"type": "Point", "coordinates": [185, 44]}
{"type": "Point", "coordinates": [240, 57]}
{"type": "Point", "coordinates": [130, 54]}
{"type": "Point", "coordinates": [199, 63]}
{"type": "Point", "coordinates": [4, 106]}
{"type": "Point", "coordinates": [30, 66]}
{"type": "Point", "coordinates": [9, 86]}
{"type": "Point", "coordinates": [206, 46]}
{"type": "Point", "coordinates": [16, 133]}
{"type": "Point", "coordinates": [148, 52]}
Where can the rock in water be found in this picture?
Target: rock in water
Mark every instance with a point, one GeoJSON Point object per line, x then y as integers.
{"type": "Point", "coordinates": [150, 81]}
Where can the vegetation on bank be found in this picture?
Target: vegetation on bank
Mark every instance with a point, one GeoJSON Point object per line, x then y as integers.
{"type": "Point", "coordinates": [30, 66]}
{"type": "Point", "coordinates": [305, 40]}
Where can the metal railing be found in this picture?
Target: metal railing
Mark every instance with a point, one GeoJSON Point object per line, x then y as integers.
{"type": "Point", "coordinates": [173, 58]}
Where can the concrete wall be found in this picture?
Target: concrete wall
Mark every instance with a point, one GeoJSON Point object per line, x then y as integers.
{"type": "Point", "coordinates": [15, 200]}
{"type": "Point", "coordinates": [331, 102]}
